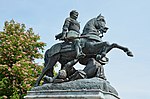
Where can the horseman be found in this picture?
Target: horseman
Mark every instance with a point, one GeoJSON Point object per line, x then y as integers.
{"type": "Point", "coordinates": [71, 33]}
{"type": "Point", "coordinates": [95, 28]}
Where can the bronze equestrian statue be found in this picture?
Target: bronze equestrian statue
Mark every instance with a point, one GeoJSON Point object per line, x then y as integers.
{"type": "Point", "coordinates": [92, 46]}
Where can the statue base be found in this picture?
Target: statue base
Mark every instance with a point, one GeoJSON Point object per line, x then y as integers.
{"type": "Point", "coordinates": [94, 88]}
{"type": "Point", "coordinates": [70, 94]}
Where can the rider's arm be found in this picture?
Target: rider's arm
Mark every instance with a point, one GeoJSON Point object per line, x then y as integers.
{"type": "Point", "coordinates": [66, 25]}
{"type": "Point", "coordinates": [62, 36]}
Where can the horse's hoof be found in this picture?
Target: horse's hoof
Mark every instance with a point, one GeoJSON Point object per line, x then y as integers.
{"type": "Point", "coordinates": [48, 79]}
{"type": "Point", "coordinates": [36, 85]}
{"type": "Point", "coordinates": [129, 54]}
{"type": "Point", "coordinates": [98, 57]}
{"type": "Point", "coordinates": [103, 61]}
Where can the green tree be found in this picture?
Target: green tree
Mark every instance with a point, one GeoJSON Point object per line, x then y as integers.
{"type": "Point", "coordinates": [18, 50]}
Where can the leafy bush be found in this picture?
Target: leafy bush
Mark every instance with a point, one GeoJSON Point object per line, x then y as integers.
{"type": "Point", "coordinates": [18, 50]}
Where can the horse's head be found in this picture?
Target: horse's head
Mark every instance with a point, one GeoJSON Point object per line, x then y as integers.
{"type": "Point", "coordinates": [101, 24]}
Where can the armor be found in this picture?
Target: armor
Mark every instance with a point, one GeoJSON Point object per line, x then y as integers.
{"type": "Point", "coordinates": [70, 32]}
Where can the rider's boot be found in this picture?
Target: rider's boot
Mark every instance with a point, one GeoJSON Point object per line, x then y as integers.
{"type": "Point", "coordinates": [78, 49]}
{"type": "Point", "coordinates": [80, 54]}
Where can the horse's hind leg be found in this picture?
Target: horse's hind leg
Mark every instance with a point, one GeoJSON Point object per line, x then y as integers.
{"type": "Point", "coordinates": [49, 73]}
{"type": "Point", "coordinates": [52, 61]}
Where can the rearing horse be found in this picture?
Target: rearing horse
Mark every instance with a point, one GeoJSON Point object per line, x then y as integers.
{"type": "Point", "coordinates": [92, 47]}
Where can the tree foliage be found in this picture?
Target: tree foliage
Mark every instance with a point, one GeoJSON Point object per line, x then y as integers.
{"type": "Point", "coordinates": [18, 50]}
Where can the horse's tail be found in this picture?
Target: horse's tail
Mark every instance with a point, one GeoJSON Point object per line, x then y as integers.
{"type": "Point", "coordinates": [46, 58]}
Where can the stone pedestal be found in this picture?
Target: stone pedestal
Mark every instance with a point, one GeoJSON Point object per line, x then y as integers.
{"type": "Point", "coordinates": [70, 94]}
{"type": "Point", "coordinates": [94, 88]}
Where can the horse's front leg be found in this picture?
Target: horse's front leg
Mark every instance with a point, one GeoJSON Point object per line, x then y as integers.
{"type": "Point", "coordinates": [125, 49]}
{"type": "Point", "coordinates": [105, 48]}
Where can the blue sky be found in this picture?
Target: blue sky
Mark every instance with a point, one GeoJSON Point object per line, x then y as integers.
{"type": "Point", "coordinates": [128, 22]}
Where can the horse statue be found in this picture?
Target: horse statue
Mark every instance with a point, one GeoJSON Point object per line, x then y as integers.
{"type": "Point", "coordinates": [92, 47]}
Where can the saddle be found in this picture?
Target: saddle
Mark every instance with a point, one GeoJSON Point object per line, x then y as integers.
{"type": "Point", "coordinates": [67, 46]}
{"type": "Point", "coordinates": [60, 47]}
